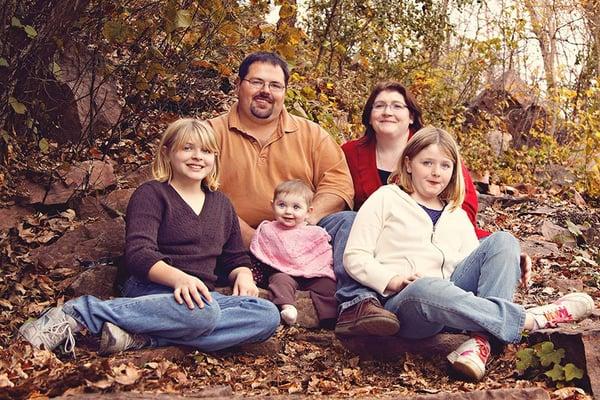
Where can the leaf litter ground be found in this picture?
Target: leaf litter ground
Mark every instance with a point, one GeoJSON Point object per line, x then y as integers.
{"type": "Point", "coordinates": [309, 363]}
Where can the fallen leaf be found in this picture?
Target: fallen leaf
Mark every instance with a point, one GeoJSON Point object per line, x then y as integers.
{"type": "Point", "coordinates": [126, 374]}
{"type": "Point", "coordinates": [5, 382]}
{"type": "Point", "coordinates": [101, 384]}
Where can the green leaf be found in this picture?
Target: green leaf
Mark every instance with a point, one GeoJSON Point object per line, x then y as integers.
{"type": "Point", "coordinates": [547, 354]}
{"type": "Point", "coordinates": [526, 358]}
{"type": "Point", "coordinates": [572, 372]}
{"type": "Point", "coordinates": [556, 374]}
{"type": "Point", "coordinates": [574, 229]}
{"type": "Point", "coordinates": [3, 62]}
{"type": "Point", "coordinates": [16, 22]}
{"type": "Point", "coordinates": [30, 31]}
{"type": "Point", "coordinates": [44, 145]}
{"type": "Point", "coordinates": [17, 106]}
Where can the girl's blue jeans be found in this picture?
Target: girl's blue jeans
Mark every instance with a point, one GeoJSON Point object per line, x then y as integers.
{"type": "Point", "coordinates": [151, 309]}
{"type": "Point", "coordinates": [477, 297]}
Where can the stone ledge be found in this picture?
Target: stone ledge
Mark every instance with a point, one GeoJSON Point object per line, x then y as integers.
{"type": "Point", "coordinates": [582, 348]}
{"type": "Point", "coordinates": [391, 348]}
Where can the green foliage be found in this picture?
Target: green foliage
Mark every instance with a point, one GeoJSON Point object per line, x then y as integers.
{"type": "Point", "coordinates": [544, 359]}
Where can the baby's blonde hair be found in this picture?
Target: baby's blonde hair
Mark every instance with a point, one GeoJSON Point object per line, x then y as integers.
{"type": "Point", "coordinates": [294, 187]}
{"type": "Point", "coordinates": [177, 134]}
{"type": "Point", "coordinates": [454, 192]}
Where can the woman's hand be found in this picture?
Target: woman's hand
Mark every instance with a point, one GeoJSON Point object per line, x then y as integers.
{"type": "Point", "coordinates": [243, 282]}
{"type": "Point", "coordinates": [190, 290]}
{"type": "Point", "coordinates": [525, 264]}
{"type": "Point", "coordinates": [397, 283]}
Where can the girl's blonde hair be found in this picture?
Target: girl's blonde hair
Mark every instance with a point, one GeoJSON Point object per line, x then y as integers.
{"type": "Point", "coordinates": [454, 193]}
{"type": "Point", "coordinates": [177, 134]}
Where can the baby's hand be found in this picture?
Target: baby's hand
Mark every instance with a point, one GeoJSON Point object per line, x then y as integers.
{"type": "Point", "coordinates": [190, 289]}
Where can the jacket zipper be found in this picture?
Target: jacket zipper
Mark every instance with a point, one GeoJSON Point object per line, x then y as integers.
{"type": "Point", "coordinates": [441, 252]}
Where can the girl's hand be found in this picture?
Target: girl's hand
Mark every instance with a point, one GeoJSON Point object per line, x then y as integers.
{"type": "Point", "coordinates": [397, 283]}
{"type": "Point", "coordinates": [190, 290]}
{"type": "Point", "coordinates": [244, 284]}
{"type": "Point", "coordinates": [525, 270]}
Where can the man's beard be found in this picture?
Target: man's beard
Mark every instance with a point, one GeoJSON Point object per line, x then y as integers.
{"type": "Point", "coordinates": [259, 112]}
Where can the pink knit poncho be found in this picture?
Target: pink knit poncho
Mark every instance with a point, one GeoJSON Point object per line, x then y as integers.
{"type": "Point", "coordinates": [302, 251]}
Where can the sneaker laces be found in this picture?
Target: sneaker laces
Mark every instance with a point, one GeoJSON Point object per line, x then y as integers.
{"type": "Point", "coordinates": [482, 348]}
{"type": "Point", "coordinates": [557, 315]}
{"type": "Point", "coordinates": [62, 329]}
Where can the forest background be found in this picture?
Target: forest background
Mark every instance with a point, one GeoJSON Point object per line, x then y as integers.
{"type": "Point", "coordinates": [91, 83]}
{"type": "Point", "coordinates": [147, 62]}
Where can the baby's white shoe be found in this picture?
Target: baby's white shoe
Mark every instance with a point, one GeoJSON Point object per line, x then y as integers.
{"type": "Point", "coordinates": [289, 314]}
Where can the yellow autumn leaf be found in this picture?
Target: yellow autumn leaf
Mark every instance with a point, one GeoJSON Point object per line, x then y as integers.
{"type": "Point", "coordinates": [287, 10]}
{"type": "Point", "coordinates": [309, 92]}
{"type": "Point", "coordinates": [17, 106]}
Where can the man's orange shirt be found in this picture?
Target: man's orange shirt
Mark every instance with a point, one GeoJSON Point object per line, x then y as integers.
{"type": "Point", "coordinates": [300, 149]}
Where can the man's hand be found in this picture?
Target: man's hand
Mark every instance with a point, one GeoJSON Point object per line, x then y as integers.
{"type": "Point", "coordinates": [397, 283]}
{"type": "Point", "coordinates": [189, 289]}
{"type": "Point", "coordinates": [525, 264]}
{"type": "Point", "coordinates": [243, 282]}
{"type": "Point", "coordinates": [323, 205]}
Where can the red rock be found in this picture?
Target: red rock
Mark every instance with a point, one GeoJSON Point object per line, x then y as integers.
{"type": "Point", "coordinates": [11, 216]}
{"type": "Point", "coordinates": [90, 207]}
{"type": "Point", "coordinates": [98, 240]}
{"type": "Point", "coordinates": [581, 343]}
{"type": "Point", "coordinates": [87, 103]}
{"type": "Point", "coordinates": [139, 176]}
{"type": "Point", "coordinates": [117, 200]}
{"type": "Point", "coordinates": [87, 175]}
{"type": "Point", "coordinates": [497, 394]}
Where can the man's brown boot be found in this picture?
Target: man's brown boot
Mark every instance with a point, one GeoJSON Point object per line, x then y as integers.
{"type": "Point", "coordinates": [367, 318]}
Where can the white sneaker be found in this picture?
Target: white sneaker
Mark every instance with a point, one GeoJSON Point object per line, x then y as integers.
{"type": "Point", "coordinates": [569, 308]}
{"type": "Point", "coordinates": [115, 340]}
{"type": "Point", "coordinates": [470, 357]}
{"type": "Point", "coordinates": [50, 330]}
{"type": "Point", "coordinates": [289, 315]}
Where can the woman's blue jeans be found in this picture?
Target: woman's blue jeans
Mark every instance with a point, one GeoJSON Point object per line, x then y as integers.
{"type": "Point", "coordinates": [151, 309]}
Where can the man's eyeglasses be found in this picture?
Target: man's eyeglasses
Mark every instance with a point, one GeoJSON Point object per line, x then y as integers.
{"type": "Point", "coordinates": [259, 84]}
{"type": "Point", "coordinates": [380, 107]}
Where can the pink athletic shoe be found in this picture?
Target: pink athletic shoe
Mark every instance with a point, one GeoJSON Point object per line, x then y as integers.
{"type": "Point", "coordinates": [470, 357]}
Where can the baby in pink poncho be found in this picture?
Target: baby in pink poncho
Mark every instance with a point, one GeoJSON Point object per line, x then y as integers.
{"type": "Point", "coordinates": [296, 255]}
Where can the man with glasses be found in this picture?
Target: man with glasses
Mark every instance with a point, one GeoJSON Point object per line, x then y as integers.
{"type": "Point", "coordinates": [261, 145]}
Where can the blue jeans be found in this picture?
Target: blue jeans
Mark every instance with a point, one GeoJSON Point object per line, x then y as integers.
{"type": "Point", "coordinates": [477, 298]}
{"type": "Point", "coordinates": [151, 309]}
{"type": "Point", "coordinates": [348, 291]}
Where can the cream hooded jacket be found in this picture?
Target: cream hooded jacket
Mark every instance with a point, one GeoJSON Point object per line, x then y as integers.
{"type": "Point", "coordinates": [392, 235]}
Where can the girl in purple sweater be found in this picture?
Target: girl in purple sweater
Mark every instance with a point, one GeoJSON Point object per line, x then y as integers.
{"type": "Point", "coordinates": [180, 232]}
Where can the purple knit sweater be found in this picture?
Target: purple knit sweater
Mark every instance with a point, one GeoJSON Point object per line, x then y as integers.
{"type": "Point", "coordinates": [162, 226]}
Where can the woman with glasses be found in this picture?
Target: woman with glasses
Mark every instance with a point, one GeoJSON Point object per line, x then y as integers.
{"type": "Point", "coordinates": [390, 117]}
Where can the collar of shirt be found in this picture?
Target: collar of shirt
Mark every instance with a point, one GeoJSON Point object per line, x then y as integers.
{"type": "Point", "coordinates": [285, 120]}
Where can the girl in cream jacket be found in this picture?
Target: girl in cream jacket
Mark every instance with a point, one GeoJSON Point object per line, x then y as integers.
{"type": "Point", "coordinates": [414, 246]}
